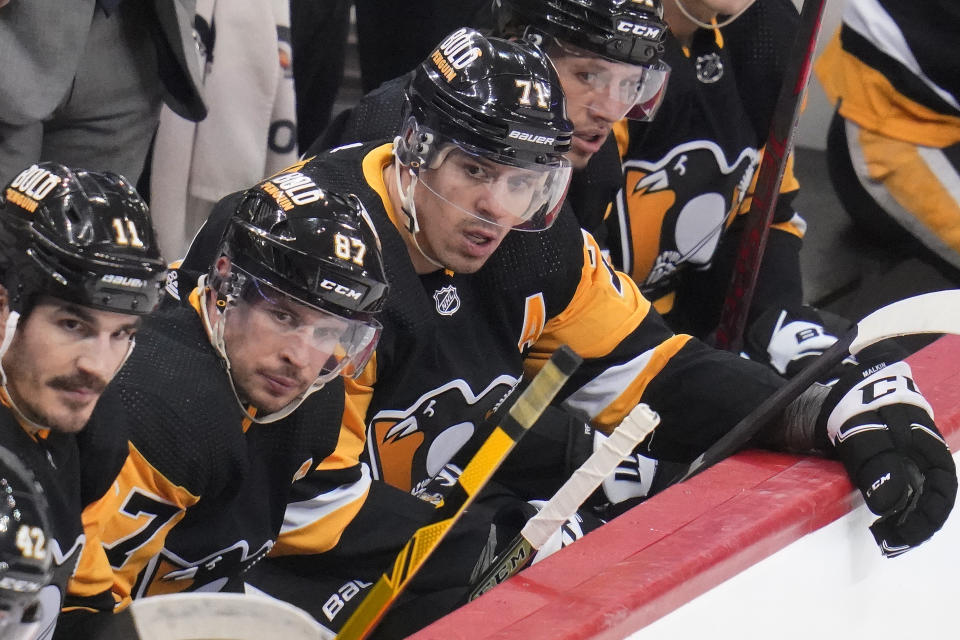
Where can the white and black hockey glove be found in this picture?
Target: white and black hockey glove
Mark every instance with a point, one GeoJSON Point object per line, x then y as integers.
{"type": "Point", "coordinates": [633, 477]}
{"type": "Point", "coordinates": [787, 339]}
{"type": "Point", "coordinates": [883, 432]}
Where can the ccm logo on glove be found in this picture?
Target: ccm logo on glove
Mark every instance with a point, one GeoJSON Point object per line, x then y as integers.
{"type": "Point", "coordinates": [884, 385]}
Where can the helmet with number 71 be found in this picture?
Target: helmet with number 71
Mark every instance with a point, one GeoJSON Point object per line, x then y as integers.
{"type": "Point", "coordinates": [81, 236]}
{"type": "Point", "coordinates": [495, 110]}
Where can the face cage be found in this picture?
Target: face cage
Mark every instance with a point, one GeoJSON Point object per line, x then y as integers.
{"type": "Point", "coordinates": [639, 104]}
{"type": "Point", "coordinates": [348, 358]}
{"type": "Point", "coordinates": [547, 185]}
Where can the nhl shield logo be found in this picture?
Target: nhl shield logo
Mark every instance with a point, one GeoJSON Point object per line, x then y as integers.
{"type": "Point", "coordinates": [709, 68]}
{"type": "Point", "coordinates": [448, 302]}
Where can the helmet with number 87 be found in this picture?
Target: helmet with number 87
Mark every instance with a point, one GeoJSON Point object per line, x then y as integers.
{"type": "Point", "coordinates": [289, 241]}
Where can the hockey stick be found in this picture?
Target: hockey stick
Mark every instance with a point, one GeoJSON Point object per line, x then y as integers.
{"type": "Point", "coordinates": [565, 502]}
{"type": "Point", "coordinates": [736, 304]}
{"type": "Point", "coordinates": [937, 312]}
{"type": "Point", "coordinates": [523, 413]}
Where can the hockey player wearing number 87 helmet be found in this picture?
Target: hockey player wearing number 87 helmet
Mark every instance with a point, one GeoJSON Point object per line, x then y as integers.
{"type": "Point", "coordinates": [79, 268]}
{"type": "Point", "coordinates": [236, 384]}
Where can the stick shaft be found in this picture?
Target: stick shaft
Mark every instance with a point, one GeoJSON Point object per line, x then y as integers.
{"type": "Point", "coordinates": [564, 504]}
{"type": "Point", "coordinates": [736, 305]}
{"type": "Point", "coordinates": [523, 413]}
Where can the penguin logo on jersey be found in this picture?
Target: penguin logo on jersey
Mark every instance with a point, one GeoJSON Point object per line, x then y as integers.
{"type": "Point", "coordinates": [409, 445]}
{"type": "Point", "coordinates": [447, 299]}
{"type": "Point", "coordinates": [675, 211]}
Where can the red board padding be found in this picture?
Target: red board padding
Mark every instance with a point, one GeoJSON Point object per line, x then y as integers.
{"type": "Point", "coordinates": [686, 540]}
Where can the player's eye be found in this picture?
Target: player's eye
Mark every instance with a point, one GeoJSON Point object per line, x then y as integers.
{"type": "Point", "coordinates": [587, 77]}
{"type": "Point", "coordinates": [282, 317]}
{"type": "Point", "coordinates": [125, 333]}
{"type": "Point", "coordinates": [72, 325]}
{"type": "Point", "coordinates": [476, 172]}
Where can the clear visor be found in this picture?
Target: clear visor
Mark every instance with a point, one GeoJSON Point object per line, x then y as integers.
{"type": "Point", "coordinates": [336, 345]}
{"type": "Point", "coordinates": [611, 89]}
{"type": "Point", "coordinates": [526, 198]}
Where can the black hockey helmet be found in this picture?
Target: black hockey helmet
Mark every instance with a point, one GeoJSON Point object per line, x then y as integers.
{"type": "Point", "coordinates": [25, 561]}
{"type": "Point", "coordinates": [631, 31]}
{"type": "Point", "coordinates": [493, 99]}
{"type": "Point", "coordinates": [289, 237]}
{"type": "Point", "coordinates": [500, 98]}
{"type": "Point", "coordinates": [81, 236]}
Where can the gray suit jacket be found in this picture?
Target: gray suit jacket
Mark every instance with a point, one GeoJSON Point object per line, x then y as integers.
{"type": "Point", "coordinates": [41, 42]}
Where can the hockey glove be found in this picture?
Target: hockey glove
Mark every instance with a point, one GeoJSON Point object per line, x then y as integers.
{"type": "Point", "coordinates": [883, 432]}
{"type": "Point", "coordinates": [632, 478]}
{"type": "Point", "coordinates": [787, 339]}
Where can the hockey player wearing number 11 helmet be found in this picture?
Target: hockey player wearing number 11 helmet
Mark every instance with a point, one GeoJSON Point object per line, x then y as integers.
{"type": "Point", "coordinates": [79, 267]}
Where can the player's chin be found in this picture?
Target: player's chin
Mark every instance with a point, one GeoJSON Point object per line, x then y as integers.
{"type": "Point", "coordinates": [578, 157]}
{"type": "Point", "coordinates": [68, 420]}
{"type": "Point", "coordinates": [269, 400]}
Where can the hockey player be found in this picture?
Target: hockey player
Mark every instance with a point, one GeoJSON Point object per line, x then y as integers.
{"type": "Point", "coordinates": [892, 148]}
{"type": "Point", "coordinates": [236, 450]}
{"type": "Point", "coordinates": [80, 267]}
{"type": "Point", "coordinates": [669, 248]}
{"type": "Point", "coordinates": [26, 567]}
{"type": "Point", "coordinates": [608, 56]}
{"type": "Point", "coordinates": [486, 282]}
{"type": "Point", "coordinates": [689, 173]}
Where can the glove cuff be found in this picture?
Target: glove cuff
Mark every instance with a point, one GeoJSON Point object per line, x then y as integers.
{"type": "Point", "coordinates": [867, 388]}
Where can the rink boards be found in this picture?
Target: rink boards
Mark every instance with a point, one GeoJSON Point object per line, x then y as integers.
{"type": "Point", "coordinates": [761, 544]}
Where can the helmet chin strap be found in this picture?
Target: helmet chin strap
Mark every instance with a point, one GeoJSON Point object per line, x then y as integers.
{"type": "Point", "coordinates": [707, 25]}
{"type": "Point", "coordinates": [215, 329]}
{"type": "Point", "coordinates": [9, 330]}
{"type": "Point", "coordinates": [409, 208]}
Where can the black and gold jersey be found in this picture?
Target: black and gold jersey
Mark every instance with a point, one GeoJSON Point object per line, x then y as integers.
{"type": "Point", "coordinates": [889, 68]}
{"type": "Point", "coordinates": [205, 492]}
{"type": "Point", "coordinates": [55, 460]}
{"type": "Point", "coordinates": [453, 345]}
{"type": "Point", "coordinates": [690, 172]}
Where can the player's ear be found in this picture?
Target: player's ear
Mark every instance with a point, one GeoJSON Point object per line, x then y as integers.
{"type": "Point", "coordinates": [4, 310]}
{"type": "Point", "coordinates": [222, 267]}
